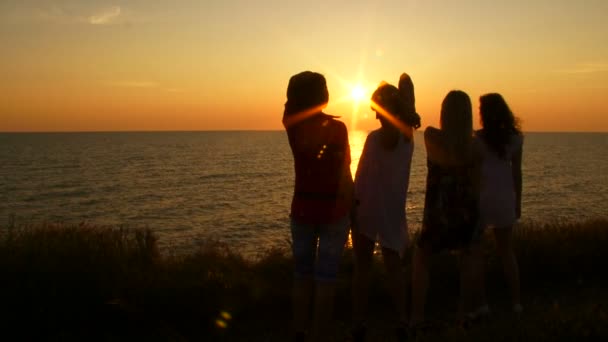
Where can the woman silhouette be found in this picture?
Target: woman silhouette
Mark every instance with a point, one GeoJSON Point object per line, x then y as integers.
{"type": "Point", "coordinates": [381, 185]}
{"type": "Point", "coordinates": [499, 147]}
{"type": "Point", "coordinates": [450, 207]}
{"type": "Point", "coordinates": [322, 199]}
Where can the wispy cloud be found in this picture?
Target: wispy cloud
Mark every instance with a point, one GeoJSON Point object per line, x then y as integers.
{"type": "Point", "coordinates": [586, 68]}
{"type": "Point", "coordinates": [105, 17]}
{"type": "Point", "coordinates": [70, 13]}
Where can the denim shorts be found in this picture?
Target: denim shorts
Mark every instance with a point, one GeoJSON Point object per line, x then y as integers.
{"type": "Point", "coordinates": [317, 248]}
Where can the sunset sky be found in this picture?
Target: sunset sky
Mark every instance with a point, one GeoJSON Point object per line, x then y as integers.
{"type": "Point", "coordinates": [220, 64]}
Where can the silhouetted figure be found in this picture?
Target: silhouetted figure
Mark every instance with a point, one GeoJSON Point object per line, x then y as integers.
{"type": "Point", "coordinates": [381, 185]}
{"type": "Point", "coordinates": [499, 146]}
{"type": "Point", "coordinates": [450, 206]}
{"type": "Point", "coordinates": [322, 199]}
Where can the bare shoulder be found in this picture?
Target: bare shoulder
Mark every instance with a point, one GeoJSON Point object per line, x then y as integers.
{"type": "Point", "coordinates": [432, 135]}
{"type": "Point", "coordinates": [373, 134]}
{"type": "Point", "coordinates": [433, 143]}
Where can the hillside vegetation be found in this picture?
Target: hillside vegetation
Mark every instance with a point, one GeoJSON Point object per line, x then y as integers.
{"type": "Point", "coordinates": [83, 282]}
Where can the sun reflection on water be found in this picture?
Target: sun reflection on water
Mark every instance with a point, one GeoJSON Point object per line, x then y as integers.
{"type": "Point", "coordinates": [356, 140]}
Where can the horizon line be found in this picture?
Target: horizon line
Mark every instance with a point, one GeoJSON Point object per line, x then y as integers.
{"type": "Point", "coordinates": [228, 130]}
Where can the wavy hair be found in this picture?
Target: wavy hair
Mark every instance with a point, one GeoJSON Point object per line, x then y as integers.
{"type": "Point", "coordinates": [498, 123]}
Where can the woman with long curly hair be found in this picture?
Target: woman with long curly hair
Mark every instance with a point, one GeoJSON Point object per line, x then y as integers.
{"type": "Point", "coordinates": [499, 145]}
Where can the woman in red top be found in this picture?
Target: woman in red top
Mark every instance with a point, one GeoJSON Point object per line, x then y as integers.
{"type": "Point", "coordinates": [322, 199]}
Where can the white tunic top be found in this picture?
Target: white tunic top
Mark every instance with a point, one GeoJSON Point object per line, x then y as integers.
{"type": "Point", "coordinates": [381, 184]}
{"type": "Point", "coordinates": [497, 192]}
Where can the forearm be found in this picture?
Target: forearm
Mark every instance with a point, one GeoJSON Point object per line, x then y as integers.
{"type": "Point", "coordinates": [517, 184]}
{"type": "Point", "coordinates": [517, 179]}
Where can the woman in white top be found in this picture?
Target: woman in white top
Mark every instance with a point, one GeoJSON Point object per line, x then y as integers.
{"type": "Point", "coordinates": [381, 185]}
{"type": "Point", "coordinates": [499, 147]}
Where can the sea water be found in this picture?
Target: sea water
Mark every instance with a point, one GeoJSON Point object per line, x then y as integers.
{"type": "Point", "coordinates": [236, 186]}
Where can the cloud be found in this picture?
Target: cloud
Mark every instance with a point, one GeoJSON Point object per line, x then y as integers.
{"type": "Point", "coordinates": [586, 68]}
{"type": "Point", "coordinates": [105, 17]}
{"type": "Point", "coordinates": [72, 12]}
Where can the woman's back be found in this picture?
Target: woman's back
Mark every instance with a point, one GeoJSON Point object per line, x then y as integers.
{"type": "Point", "coordinates": [450, 210]}
{"type": "Point", "coordinates": [496, 169]}
{"type": "Point", "coordinates": [321, 159]}
{"type": "Point", "coordinates": [497, 188]}
{"type": "Point", "coordinates": [381, 185]}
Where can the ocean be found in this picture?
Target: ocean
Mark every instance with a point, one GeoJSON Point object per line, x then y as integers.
{"type": "Point", "coordinates": [236, 186]}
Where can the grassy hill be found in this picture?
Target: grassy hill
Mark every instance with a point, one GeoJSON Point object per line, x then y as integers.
{"type": "Point", "coordinates": [83, 282]}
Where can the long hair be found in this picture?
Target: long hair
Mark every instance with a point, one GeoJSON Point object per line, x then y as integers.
{"type": "Point", "coordinates": [498, 123]}
{"type": "Point", "coordinates": [457, 123]}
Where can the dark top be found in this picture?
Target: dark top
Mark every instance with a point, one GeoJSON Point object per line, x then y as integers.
{"type": "Point", "coordinates": [323, 182]}
{"type": "Point", "coordinates": [451, 211]}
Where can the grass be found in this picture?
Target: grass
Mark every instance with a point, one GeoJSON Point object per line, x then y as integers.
{"type": "Point", "coordinates": [84, 282]}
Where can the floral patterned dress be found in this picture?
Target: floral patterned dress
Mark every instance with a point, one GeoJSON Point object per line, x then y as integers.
{"type": "Point", "coordinates": [450, 207]}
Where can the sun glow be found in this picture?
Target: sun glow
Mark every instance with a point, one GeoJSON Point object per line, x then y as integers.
{"type": "Point", "coordinates": [357, 93]}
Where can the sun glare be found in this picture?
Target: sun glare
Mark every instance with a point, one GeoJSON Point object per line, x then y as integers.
{"type": "Point", "coordinates": [357, 93]}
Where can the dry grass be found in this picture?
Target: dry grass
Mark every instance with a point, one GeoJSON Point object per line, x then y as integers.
{"type": "Point", "coordinates": [84, 282]}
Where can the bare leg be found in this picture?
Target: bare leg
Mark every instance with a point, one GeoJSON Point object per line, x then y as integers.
{"type": "Point", "coordinates": [479, 295]}
{"type": "Point", "coordinates": [420, 282]}
{"type": "Point", "coordinates": [466, 275]}
{"type": "Point", "coordinates": [396, 282]}
{"type": "Point", "coordinates": [323, 310]}
{"type": "Point", "coordinates": [302, 296]}
{"type": "Point", "coordinates": [364, 249]}
{"type": "Point", "coordinates": [504, 244]}
{"type": "Point", "coordinates": [472, 292]}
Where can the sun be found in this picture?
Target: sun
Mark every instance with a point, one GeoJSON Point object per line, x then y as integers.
{"type": "Point", "coordinates": [357, 93]}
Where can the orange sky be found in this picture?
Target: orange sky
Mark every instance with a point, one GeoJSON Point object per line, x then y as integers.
{"type": "Point", "coordinates": [215, 65]}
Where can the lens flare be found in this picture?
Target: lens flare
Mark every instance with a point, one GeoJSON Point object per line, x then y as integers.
{"type": "Point", "coordinates": [226, 315]}
{"type": "Point", "coordinates": [357, 93]}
